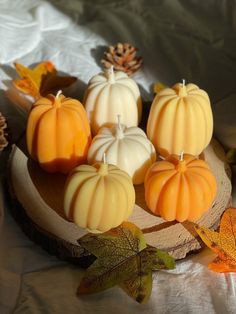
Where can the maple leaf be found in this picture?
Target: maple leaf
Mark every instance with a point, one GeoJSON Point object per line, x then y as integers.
{"type": "Point", "coordinates": [139, 287]}
{"type": "Point", "coordinates": [41, 80]}
{"type": "Point", "coordinates": [223, 243]}
{"type": "Point", "coordinates": [123, 258]}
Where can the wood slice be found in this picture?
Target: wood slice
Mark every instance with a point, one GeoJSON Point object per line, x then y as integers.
{"type": "Point", "coordinates": [41, 196]}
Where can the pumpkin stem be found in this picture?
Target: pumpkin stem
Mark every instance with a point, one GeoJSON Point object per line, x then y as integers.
{"type": "Point", "coordinates": [110, 75]}
{"type": "Point", "coordinates": [181, 166]}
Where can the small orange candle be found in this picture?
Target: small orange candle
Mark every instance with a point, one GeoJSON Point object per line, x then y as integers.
{"type": "Point", "coordinates": [58, 133]}
{"type": "Point", "coordinates": [180, 188]}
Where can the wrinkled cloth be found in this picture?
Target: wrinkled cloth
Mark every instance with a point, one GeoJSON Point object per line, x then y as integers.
{"type": "Point", "coordinates": [194, 40]}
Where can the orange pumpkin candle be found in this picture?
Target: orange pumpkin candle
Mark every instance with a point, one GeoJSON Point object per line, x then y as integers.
{"type": "Point", "coordinates": [58, 133]}
{"type": "Point", "coordinates": [180, 188]}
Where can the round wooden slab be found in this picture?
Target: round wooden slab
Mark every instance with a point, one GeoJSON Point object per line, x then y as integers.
{"type": "Point", "coordinates": [41, 196]}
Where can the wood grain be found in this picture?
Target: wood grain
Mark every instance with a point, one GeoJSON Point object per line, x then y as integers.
{"type": "Point", "coordinates": [41, 195]}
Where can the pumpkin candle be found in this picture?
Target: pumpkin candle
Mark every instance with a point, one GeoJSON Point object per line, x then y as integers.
{"type": "Point", "coordinates": [180, 188]}
{"type": "Point", "coordinates": [180, 119]}
{"type": "Point", "coordinates": [127, 148]}
{"type": "Point", "coordinates": [109, 94]}
{"type": "Point", "coordinates": [98, 197]}
{"type": "Point", "coordinates": [58, 133]}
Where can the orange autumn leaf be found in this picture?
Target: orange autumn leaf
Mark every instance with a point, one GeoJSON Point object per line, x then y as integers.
{"type": "Point", "coordinates": [41, 80]}
{"type": "Point", "coordinates": [221, 266]}
{"type": "Point", "coordinates": [222, 243]}
{"type": "Point", "coordinates": [31, 80]}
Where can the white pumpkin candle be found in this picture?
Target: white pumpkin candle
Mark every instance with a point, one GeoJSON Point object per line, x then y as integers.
{"type": "Point", "coordinates": [127, 148]}
{"type": "Point", "coordinates": [109, 94]}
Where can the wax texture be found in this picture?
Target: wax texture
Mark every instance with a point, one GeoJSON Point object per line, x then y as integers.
{"type": "Point", "coordinates": [180, 119]}
{"type": "Point", "coordinates": [180, 189]}
{"type": "Point", "coordinates": [98, 197]}
{"type": "Point", "coordinates": [127, 148]}
{"type": "Point", "coordinates": [110, 94]}
{"type": "Point", "coordinates": [58, 133]}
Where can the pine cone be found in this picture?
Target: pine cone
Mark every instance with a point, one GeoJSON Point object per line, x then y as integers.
{"type": "Point", "coordinates": [123, 58]}
{"type": "Point", "coordinates": [3, 126]}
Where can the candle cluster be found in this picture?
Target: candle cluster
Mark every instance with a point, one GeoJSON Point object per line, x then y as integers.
{"type": "Point", "coordinates": [99, 192]}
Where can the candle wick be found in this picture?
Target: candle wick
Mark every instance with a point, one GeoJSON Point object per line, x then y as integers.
{"type": "Point", "coordinates": [110, 75]}
{"type": "Point", "coordinates": [119, 124]}
{"type": "Point", "coordinates": [58, 93]}
{"type": "Point", "coordinates": [161, 157]}
{"type": "Point", "coordinates": [181, 156]}
{"type": "Point", "coordinates": [104, 158]}
{"type": "Point", "coordinates": [111, 69]}
{"type": "Point", "coordinates": [183, 82]}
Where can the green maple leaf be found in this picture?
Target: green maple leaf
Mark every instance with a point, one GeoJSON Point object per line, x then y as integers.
{"type": "Point", "coordinates": [140, 287]}
{"type": "Point", "coordinates": [123, 258]}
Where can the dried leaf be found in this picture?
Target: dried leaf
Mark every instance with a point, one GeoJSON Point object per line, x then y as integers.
{"type": "Point", "coordinates": [31, 80]}
{"type": "Point", "coordinates": [123, 258]}
{"type": "Point", "coordinates": [53, 83]}
{"type": "Point", "coordinates": [41, 80]}
{"type": "Point", "coordinates": [162, 260]}
{"type": "Point", "coordinates": [222, 243]}
{"type": "Point", "coordinates": [157, 87]}
{"type": "Point", "coordinates": [220, 266]}
{"type": "Point", "coordinates": [140, 287]}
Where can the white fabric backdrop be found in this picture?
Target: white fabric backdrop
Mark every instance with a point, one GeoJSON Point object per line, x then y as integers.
{"type": "Point", "coordinates": [178, 39]}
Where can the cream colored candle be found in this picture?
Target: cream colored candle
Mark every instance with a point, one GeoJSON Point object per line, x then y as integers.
{"type": "Point", "coordinates": [180, 119]}
{"type": "Point", "coordinates": [109, 94]}
{"type": "Point", "coordinates": [98, 197]}
{"type": "Point", "coordinates": [127, 148]}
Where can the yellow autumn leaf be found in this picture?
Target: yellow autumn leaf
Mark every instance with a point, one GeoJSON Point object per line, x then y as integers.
{"type": "Point", "coordinates": [41, 80]}
{"type": "Point", "coordinates": [222, 243]}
